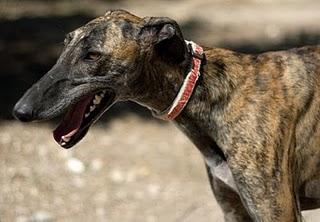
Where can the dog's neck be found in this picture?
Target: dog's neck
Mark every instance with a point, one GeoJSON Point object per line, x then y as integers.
{"type": "Point", "coordinates": [213, 91]}
{"type": "Point", "coordinates": [161, 83]}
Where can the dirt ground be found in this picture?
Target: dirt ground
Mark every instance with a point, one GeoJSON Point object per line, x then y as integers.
{"type": "Point", "coordinates": [125, 170]}
{"type": "Point", "coordinates": [129, 167]}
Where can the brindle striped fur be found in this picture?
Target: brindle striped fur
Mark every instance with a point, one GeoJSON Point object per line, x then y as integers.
{"type": "Point", "coordinates": [256, 116]}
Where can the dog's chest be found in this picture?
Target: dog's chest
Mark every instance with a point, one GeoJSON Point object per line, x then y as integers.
{"type": "Point", "coordinates": [222, 172]}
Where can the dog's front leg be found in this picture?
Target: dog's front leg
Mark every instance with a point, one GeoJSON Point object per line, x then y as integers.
{"type": "Point", "coordinates": [265, 184]}
{"type": "Point", "coordinates": [228, 200]}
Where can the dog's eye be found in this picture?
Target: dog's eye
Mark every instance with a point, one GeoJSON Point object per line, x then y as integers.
{"type": "Point", "coordinates": [92, 56]}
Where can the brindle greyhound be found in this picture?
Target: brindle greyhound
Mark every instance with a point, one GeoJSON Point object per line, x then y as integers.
{"type": "Point", "coordinates": [253, 117]}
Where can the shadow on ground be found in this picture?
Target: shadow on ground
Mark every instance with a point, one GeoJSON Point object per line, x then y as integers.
{"type": "Point", "coordinates": [30, 46]}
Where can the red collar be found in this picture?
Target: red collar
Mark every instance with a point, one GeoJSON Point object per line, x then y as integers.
{"type": "Point", "coordinates": [187, 87]}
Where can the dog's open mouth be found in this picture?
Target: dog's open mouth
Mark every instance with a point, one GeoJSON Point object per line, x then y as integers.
{"type": "Point", "coordinates": [81, 116]}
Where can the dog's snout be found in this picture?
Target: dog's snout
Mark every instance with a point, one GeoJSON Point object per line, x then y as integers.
{"type": "Point", "coordinates": [23, 112]}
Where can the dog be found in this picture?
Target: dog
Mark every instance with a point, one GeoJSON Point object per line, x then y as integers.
{"type": "Point", "coordinates": [254, 118]}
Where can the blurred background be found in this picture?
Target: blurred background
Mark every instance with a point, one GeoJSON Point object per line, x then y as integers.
{"type": "Point", "coordinates": [130, 167]}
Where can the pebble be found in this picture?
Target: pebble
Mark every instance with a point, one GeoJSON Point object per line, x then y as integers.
{"type": "Point", "coordinates": [42, 216]}
{"type": "Point", "coordinates": [153, 189]}
{"type": "Point", "coordinates": [117, 176]}
{"type": "Point", "coordinates": [74, 165]}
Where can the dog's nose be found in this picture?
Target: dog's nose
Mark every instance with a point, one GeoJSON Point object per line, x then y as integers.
{"type": "Point", "coordinates": [22, 112]}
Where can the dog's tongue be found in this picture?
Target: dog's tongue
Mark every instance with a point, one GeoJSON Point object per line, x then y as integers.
{"type": "Point", "coordinates": [72, 121]}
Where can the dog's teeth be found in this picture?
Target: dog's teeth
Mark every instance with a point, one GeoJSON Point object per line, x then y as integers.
{"type": "Point", "coordinates": [92, 108]}
{"type": "Point", "coordinates": [66, 139]}
{"type": "Point", "coordinates": [63, 143]}
{"type": "Point", "coordinates": [86, 115]}
{"type": "Point", "coordinates": [97, 99]}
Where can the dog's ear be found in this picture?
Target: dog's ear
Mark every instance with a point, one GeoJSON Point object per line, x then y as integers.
{"type": "Point", "coordinates": [164, 36]}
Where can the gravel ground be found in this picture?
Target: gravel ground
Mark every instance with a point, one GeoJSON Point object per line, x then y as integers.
{"type": "Point", "coordinates": [126, 170]}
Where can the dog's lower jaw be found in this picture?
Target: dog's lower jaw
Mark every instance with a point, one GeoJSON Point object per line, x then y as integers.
{"type": "Point", "coordinates": [81, 116]}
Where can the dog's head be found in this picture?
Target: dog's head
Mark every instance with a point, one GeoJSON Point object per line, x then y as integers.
{"type": "Point", "coordinates": [99, 65]}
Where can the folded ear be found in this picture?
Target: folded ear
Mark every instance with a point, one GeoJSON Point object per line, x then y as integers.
{"type": "Point", "coordinates": [164, 36]}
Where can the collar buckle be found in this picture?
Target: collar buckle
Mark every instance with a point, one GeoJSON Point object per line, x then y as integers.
{"type": "Point", "coordinates": [194, 53]}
